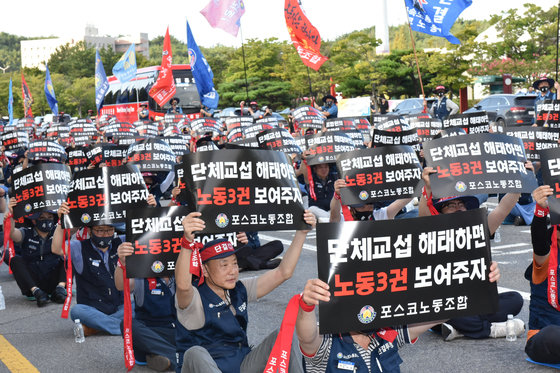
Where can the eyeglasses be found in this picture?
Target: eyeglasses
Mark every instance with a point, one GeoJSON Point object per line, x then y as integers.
{"type": "Point", "coordinates": [454, 205]}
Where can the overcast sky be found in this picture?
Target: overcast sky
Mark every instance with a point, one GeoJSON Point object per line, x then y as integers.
{"type": "Point", "coordinates": [263, 18]}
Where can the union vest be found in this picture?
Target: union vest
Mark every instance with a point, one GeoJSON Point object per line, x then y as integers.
{"type": "Point", "coordinates": [95, 286]}
{"type": "Point", "coordinates": [541, 313]}
{"type": "Point", "coordinates": [158, 308]}
{"type": "Point", "coordinates": [224, 334]}
{"type": "Point", "coordinates": [441, 111]}
{"type": "Point", "coordinates": [36, 251]}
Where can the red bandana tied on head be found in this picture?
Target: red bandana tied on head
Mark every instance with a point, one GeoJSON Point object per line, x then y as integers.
{"type": "Point", "coordinates": [198, 257]}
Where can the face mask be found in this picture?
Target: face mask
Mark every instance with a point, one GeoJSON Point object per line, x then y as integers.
{"type": "Point", "coordinates": [440, 94]}
{"type": "Point", "coordinates": [44, 225]}
{"type": "Point", "coordinates": [359, 216]}
{"type": "Point", "coordinates": [543, 89]}
{"type": "Point", "coordinates": [101, 242]}
{"type": "Point", "coordinates": [328, 104]}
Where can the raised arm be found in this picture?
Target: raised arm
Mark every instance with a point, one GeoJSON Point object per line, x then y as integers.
{"type": "Point", "coordinates": [423, 209]}
{"type": "Point", "coordinates": [396, 206]}
{"type": "Point", "coordinates": [336, 205]}
{"type": "Point", "coordinates": [539, 230]}
{"type": "Point", "coordinates": [275, 277]}
{"type": "Point", "coordinates": [58, 235]}
{"type": "Point", "coordinates": [15, 234]}
{"type": "Point", "coordinates": [306, 324]}
{"type": "Point", "coordinates": [125, 249]}
{"type": "Point", "coordinates": [183, 276]}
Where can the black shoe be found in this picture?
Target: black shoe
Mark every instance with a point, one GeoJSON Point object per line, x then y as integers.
{"type": "Point", "coordinates": [40, 297]}
{"type": "Point", "coordinates": [518, 221]}
{"type": "Point", "coordinates": [59, 295]}
{"type": "Point", "coordinates": [158, 363]}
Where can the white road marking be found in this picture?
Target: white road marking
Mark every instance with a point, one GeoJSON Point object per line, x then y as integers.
{"type": "Point", "coordinates": [524, 294]}
{"type": "Point", "coordinates": [509, 245]}
{"type": "Point", "coordinates": [286, 242]}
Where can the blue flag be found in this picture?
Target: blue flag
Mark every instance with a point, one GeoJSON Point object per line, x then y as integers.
{"type": "Point", "coordinates": [101, 82]}
{"type": "Point", "coordinates": [435, 17]}
{"type": "Point", "coordinates": [11, 104]}
{"type": "Point", "coordinates": [202, 73]}
{"type": "Point", "coordinates": [125, 68]}
{"type": "Point", "coordinates": [49, 92]}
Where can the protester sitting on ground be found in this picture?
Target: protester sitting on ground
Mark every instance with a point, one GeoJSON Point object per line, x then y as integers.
{"type": "Point", "coordinates": [323, 189]}
{"type": "Point", "coordinates": [153, 325]}
{"type": "Point", "coordinates": [523, 211]}
{"type": "Point", "coordinates": [362, 351]}
{"type": "Point", "coordinates": [39, 273]}
{"type": "Point", "coordinates": [99, 304]}
{"type": "Point", "coordinates": [511, 302]}
{"type": "Point", "coordinates": [212, 309]}
{"type": "Point", "coordinates": [543, 344]}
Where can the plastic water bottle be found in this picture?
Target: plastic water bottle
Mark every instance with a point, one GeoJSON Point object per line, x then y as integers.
{"type": "Point", "coordinates": [510, 329]}
{"type": "Point", "coordinates": [497, 236]}
{"type": "Point", "coordinates": [79, 332]}
{"type": "Point", "coordinates": [2, 300]}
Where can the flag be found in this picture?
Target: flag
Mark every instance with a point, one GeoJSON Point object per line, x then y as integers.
{"type": "Point", "coordinates": [125, 68]}
{"type": "Point", "coordinates": [202, 73]}
{"type": "Point", "coordinates": [435, 17]}
{"type": "Point", "coordinates": [164, 89]}
{"type": "Point", "coordinates": [11, 104]}
{"type": "Point", "coordinates": [27, 98]}
{"type": "Point", "coordinates": [224, 14]}
{"type": "Point", "coordinates": [304, 35]}
{"type": "Point", "coordinates": [49, 92]}
{"type": "Point", "coordinates": [101, 82]}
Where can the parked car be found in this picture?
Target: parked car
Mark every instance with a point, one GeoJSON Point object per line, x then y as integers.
{"type": "Point", "coordinates": [412, 106]}
{"type": "Point", "coordinates": [509, 109]}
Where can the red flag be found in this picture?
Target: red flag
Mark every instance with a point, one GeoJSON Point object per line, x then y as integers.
{"type": "Point", "coordinates": [164, 89]}
{"type": "Point", "coordinates": [304, 35]}
{"type": "Point", "coordinates": [333, 88]}
{"type": "Point", "coordinates": [27, 99]}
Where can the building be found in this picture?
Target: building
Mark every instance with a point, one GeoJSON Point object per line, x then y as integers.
{"type": "Point", "coordinates": [34, 53]}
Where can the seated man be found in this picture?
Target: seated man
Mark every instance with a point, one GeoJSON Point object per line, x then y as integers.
{"type": "Point", "coordinates": [543, 344]}
{"type": "Point", "coordinates": [363, 351]}
{"type": "Point", "coordinates": [323, 187]}
{"type": "Point", "coordinates": [100, 305]}
{"type": "Point", "coordinates": [38, 272]}
{"type": "Point", "coordinates": [153, 325]}
{"type": "Point", "coordinates": [212, 310]}
{"type": "Point", "coordinates": [511, 302]}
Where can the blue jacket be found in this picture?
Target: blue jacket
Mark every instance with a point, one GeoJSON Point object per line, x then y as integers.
{"type": "Point", "coordinates": [157, 307]}
{"type": "Point", "coordinates": [224, 334]}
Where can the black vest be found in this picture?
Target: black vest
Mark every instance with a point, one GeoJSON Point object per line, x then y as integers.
{"type": "Point", "coordinates": [95, 286]}
{"type": "Point", "coordinates": [158, 308]}
{"type": "Point", "coordinates": [36, 251]}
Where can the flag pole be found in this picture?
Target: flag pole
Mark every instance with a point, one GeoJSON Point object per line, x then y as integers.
{"type": "Point", "coordinates": [416, 57]}
{"type": "Point", "coordinates": [310, 89]}
{"type": "Point", "coordinates": [244, 65]}
{"type": "Point", "coordinates": [557, 30]}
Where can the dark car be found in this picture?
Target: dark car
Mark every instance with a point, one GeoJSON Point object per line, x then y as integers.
{"type": "Point", "coordinates": [510, 110]}
{"type": "Point", "coordinates": [412, 106]}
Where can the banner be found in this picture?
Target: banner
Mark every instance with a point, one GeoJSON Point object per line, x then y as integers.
{"type": "Point", "coordinates": [240, 189]}
{"type": "Point", "coordinates": [535, 139]}
{"type": "Point", "coordinates": [125, 68]}
{"type": "Point", "coordinates": [347, 126]}
{"type": "Point", "coordinates": [548, 113]}
{"type": "Point", "coordinates": [103, 195]}
{"type": "Point", "coordinates": [384, 173]}
{"type": "Point", "coordinates": [470, 122]}
{"type": "Point", "coordinates": [48, 151]}
{"type": "Point", "coordinates": [27, 98]}
{"type": "Point", "coordinates": [155, 234]}
{"type": "Point", "coordinates": [49, 92]}
{"type": "Point", "coordinates": [426, 128]}
{"type": "Point", "coordinates": [224, 14]}
{"type": "Point", "coordinates": [550, 165]}
{"type": "Point", "coordinates": [202, 73]}
{"type": "Point", "coordinates": [40, 188]}
{"type": "Point", "coordinates": [324, 147]}
{"type": "Point", "coordinates": [164, 89]}
{"type": "Point", "coordinates": [151, 155]}
{"type": "Point", "coordinates": [278, 139]}
{"type": "Point", "coordinates": [304, 35]}
{"type": "Point", "coordinates": [435, 17]}
{"type": "Point", "coordinates": [478, 164]}
{"type": "Point", "coordinates": [391, 272]}
{"type": "Point", "coordinates": [101, 82]}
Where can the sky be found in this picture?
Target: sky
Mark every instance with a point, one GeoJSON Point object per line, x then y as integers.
{"type": "Point", "coordinates": [262, 19]}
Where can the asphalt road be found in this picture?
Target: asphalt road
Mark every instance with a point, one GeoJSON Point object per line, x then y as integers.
{"type": "Point", "coordinates": [46, 341]}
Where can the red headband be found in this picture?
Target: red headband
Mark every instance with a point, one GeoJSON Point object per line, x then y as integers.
{"type": "Point", "coordinates": [198, 257]}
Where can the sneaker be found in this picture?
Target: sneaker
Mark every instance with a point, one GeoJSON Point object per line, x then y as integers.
{"type": "Point", "coordinates": [59, 295]}
{"type": "Point", "coordinates": [41, 297]}
{"type": "Point", "coordinates": [89, 331]}
{"type": "Point", "coordinates": [499, 329]}
{"type": "Point", "coordinates": [158, 362]}
{"type": "Point", "coordinates": [449, 333]}
{"type": "Point", "coordinates": [518, 221]}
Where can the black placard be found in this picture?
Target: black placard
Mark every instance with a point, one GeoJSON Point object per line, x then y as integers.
{"type": "Point", "coordinates": [201, 126]}
{"type": "Point", "coordinates": [478, 164]}
{"type": "Point", "coordinates": [46, 150]}
{"type": "Point", "coordinates": [14, 140]}
{"type": "Point", "coordinates": [383, 173]}
{"type": "Point", "coordinates": [254, 129]}
{"type": "Point", "coordinates": [391, 272]}
{"type": "Point", "coordinates": [347, 126]}
{"type": "Point", "coordinates": [471, 122]}
{"type": "Point", "coordinates": [535, 139]}
{"type": "Point", "coordinates": [324, 147]}
{"type": "Point", "coordinates": [104, 195]}
{"type": "Point", "coordinates": [550, 165]}
{"type": "Point", "coordinates": [40, 188]}
{"type": "Point", "coordinates": [426, 128]}
{"type": "Point", "coordinates": [179, 144]}
{"type": "Point", "coordinates": [240, 189]}
{"type": "Point", "coordinates": [407, 137]}
{"type": "Point", "coordinates": [548, 113]}
{"type": "Point", "coordinates": [308, 117]}
{"type": "Point", "coordinates": [151, 155]}
{"type": "Point", "coordinates": [278, 139]}
{"type": "Point", "coordinates": [392, 123]}
{"type": "Point", "coordinates": [77, 158]}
